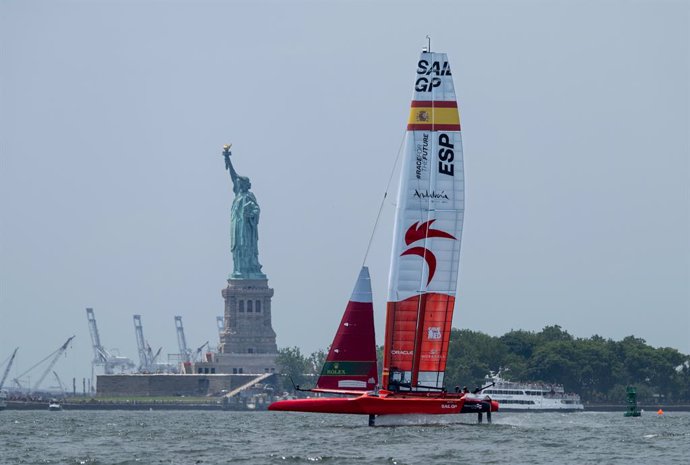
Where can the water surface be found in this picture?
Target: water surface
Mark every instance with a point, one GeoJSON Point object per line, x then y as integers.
{"type": "Point", "coordinates": [196, 437]}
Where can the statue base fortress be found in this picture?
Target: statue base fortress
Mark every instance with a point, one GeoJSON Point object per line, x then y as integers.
{"type": "Point", "coordinates": [248, 342]}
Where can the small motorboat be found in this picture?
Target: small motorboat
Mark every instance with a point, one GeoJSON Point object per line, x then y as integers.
{"type": "Point", "coordinates": [54, 405]}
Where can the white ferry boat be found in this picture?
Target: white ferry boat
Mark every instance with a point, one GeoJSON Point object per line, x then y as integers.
{"type": "Point", "coordinates": [515, 396]}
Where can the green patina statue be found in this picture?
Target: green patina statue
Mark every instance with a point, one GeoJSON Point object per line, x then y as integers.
{"type": "Point", "coordinates": [244, 234]}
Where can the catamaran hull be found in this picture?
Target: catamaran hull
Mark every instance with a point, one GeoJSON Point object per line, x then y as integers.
{"type": "Point", "coordinates": [390, 405]}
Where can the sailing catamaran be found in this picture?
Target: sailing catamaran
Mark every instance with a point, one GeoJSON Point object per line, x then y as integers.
{"type": "Point", "coordinates": [422, 281]}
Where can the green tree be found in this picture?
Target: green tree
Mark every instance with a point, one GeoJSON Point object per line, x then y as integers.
{"type": "Point", "coordinates": [316, 361]}
{"type": "Point", "coordinates": [520, 342]}
{"type": "Point", "coordinates": [471, 356]}
{"type": "Point", "coordinates": [292, 364]}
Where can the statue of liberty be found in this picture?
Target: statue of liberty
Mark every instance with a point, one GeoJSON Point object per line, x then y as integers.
{"type": "Point", "coordinates": [244, 233]}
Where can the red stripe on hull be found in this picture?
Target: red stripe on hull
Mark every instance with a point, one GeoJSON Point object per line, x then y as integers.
{"type": "Point", "coordinates": [433, 127]}
{"type": "Point", "coordinates": [434, 103]}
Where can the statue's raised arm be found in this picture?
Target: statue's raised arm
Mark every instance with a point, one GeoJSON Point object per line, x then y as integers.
{"type": "Point", "coordinates": [228, 163]}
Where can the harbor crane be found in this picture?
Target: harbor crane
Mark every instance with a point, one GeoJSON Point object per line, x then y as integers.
{"type": "Point", "coordinates": [103, 357]}
{"type": "Point", "coordinates": [185, 352]}
{"type": "Point", "coordinates": [147, 359]}
{"type": "Point", "coordinates": [8, 367]}
{"type": "Point", "coordinates": [55, 356]}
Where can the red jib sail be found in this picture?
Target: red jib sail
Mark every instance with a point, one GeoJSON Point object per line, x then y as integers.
{"type": "Point", "coordinates": [428, 227]}
{"type": "Point", "coordinates": [351, 362]}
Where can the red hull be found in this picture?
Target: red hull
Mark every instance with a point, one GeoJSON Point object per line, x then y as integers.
{"type": "Point", "coordinates": [383, 404]}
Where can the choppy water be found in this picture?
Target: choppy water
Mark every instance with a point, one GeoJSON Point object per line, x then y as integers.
{"type": "Point", "coordinates": [192, 437]}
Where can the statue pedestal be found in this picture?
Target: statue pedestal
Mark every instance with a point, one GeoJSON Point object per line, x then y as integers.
{"type": "Point", "coordinates": [248, 342]}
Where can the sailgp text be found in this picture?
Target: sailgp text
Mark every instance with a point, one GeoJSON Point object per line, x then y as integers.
{"type": "Point", "coordinates": [428, 74]}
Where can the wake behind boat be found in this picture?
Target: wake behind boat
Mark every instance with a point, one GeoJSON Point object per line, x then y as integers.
{"type": "Point", "coordinates": [422, 280]}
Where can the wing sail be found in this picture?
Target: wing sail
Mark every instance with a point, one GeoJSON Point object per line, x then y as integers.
{"type": "Point", "coordinates": [427, 232]}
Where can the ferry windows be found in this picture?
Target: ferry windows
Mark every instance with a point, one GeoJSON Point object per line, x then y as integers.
{"type": "Point", "coordinates": [234, 371]}
{"type": "Point", "coordinates": [250, 306]}
{"type": "Point", "coordinates": [257, 307]}
{"type": "Point", "coordinates": [250, 350]}
{"type": "Point", "coordinates": [241, 306]}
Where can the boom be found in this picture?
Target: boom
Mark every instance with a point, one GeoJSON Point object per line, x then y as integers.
{"type": "Point", "coordinates": [51, 364]}
{"type": "Point", "coordinates": [198, 351]}
{"type": "Point", "coordinates": [100, 355]}
{"type": "Point", "coordinates": [144, 359]}
{"type": "Point", "coordinates": [181, 340]}
{"type": "Point", "coordinates": [7, 368]}
{"type": "Point", "coordinates": [62, 386]}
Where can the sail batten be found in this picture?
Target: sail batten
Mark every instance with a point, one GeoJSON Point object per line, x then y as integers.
{"type": "Point", "coordinates": [427, 233]}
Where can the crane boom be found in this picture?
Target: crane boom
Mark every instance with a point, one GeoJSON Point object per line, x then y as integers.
{"type": "Point", "coordinates": [100, 355]}
{"type": "Point", "coordinates": [62, 386]}
{"type": "Point", "coordinates": [199, 350]}
{"type": "Point", "coordinates": [144, 360]}
{"type": "Point", "coordinates": [52, 363]}
{"type": "Point", "coordinates": [7, 368]}
{"type": "Point", "coordinates": [154, 357]}
{"type": "Point", "coordinates": [181, 340]}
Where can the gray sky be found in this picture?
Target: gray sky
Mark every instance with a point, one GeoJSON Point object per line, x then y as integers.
{"type": "Point", "coordinates": [113, 193]}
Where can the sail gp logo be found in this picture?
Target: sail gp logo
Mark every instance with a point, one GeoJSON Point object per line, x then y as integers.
{"type": "Point", "coordinates": [417, 232]}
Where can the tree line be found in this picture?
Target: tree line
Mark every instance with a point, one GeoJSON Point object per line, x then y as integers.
{"type": "Point", "coordinates": [596, 368]}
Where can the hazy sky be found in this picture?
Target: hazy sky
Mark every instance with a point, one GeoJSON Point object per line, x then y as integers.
{"type": "Point", "coordinates": [113, 193]}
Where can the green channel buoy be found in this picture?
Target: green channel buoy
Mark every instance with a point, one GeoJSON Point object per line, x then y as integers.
{"type": "Point", "coordinates": [632, 411]}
